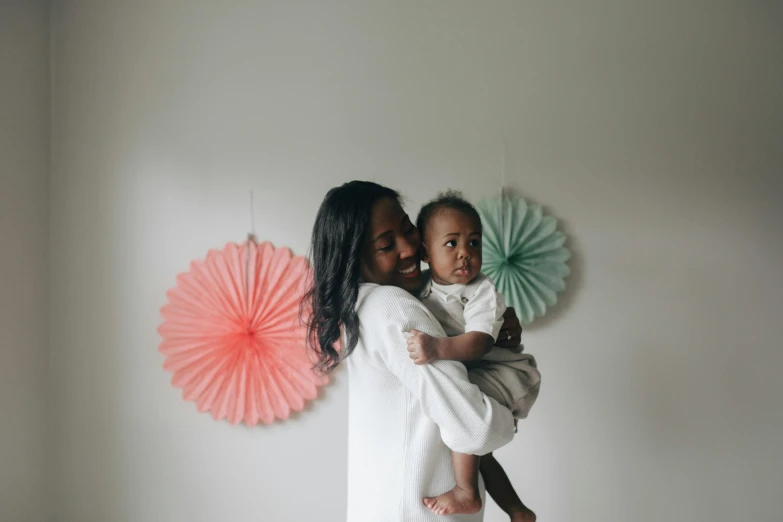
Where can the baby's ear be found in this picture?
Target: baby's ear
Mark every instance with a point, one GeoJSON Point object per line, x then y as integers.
{"type": "Point", "coordinates": [424, 253]}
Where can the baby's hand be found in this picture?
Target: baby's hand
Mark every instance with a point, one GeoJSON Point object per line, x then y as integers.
{"type": "Point", "coordinates": [423, 348]}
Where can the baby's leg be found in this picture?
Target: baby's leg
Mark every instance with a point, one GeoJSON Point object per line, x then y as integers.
{"type": "Point", "coordinates": [502, 492]}
{"type": "Point", "coordinates": [464, 499]}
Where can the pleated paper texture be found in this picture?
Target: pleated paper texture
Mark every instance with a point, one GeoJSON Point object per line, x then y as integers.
{"type": "Point", "coordinates": [523, 254]}
{"type": "Point", "coordinates": [232, 336]}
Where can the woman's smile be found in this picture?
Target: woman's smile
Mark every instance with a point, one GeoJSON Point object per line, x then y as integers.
{"type": "Point", "coordinates": [411, 271]}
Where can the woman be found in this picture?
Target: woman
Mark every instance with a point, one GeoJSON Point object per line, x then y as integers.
{"type": "Point", "coordinates": [403, 418]}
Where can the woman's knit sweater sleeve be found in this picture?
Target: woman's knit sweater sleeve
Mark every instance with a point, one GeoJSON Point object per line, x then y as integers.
{"type": "Point", "coordinates": [469, 421]}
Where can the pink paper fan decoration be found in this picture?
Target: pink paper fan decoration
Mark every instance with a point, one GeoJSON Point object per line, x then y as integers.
{"type": "Point", "coordinates": [232, 336]}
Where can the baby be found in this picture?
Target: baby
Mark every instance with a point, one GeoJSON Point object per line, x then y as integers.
{"type": "Point", "coordinates": [471, 312]}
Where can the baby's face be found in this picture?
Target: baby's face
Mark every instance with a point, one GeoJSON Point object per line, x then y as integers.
{"type": "Point", "coordinates": [452, 247]}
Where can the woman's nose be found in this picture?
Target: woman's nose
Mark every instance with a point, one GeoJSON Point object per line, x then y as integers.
{"type": "Point", "coordinates": [408, 249]}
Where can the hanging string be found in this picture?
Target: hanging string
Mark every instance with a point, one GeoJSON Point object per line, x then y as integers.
{"type": "Point", "coordinates": [252, 219]}
{"type": "Point", "coordinates": [502, 194]}
{"type": "Point", "coordinates": [502, 167]}
{"type": "Point", "coordinates": [251, 238]}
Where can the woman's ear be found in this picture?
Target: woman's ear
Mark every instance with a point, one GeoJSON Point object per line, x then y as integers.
{"type": "Point", "coordinates": [424, 253]}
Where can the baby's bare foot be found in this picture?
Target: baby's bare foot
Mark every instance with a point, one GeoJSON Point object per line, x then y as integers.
{"type": "Point", "coordinates": [455, 502]}
{"type": "Point", "coordinates": [523, 515]}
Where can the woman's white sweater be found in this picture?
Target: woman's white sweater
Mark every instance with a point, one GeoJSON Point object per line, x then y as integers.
{"type": "Point", "coordinates": [404, 419]}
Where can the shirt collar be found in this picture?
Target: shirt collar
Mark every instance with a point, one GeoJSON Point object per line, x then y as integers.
{"type": "Point", "coordinates": [465, 293]}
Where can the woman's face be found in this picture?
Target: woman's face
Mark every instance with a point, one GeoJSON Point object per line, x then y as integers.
{"type": "Point", "coordinates": [391, 250]}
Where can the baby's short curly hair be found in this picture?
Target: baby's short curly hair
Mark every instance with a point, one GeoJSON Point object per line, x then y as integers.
{"type": "Point", "coordinates": [452, 199]}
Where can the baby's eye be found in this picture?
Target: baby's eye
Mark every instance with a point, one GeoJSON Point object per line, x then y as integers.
{"type": "Point", "coordinates": [452, 243]}
{"type": "Point", "coordinates": [475, 243]}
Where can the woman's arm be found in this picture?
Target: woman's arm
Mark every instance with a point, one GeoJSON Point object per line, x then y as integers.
{"type": "Point", "coordinates": [469, 421]}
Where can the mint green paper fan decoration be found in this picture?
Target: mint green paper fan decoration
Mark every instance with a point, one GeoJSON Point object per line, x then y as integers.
{"type": "Point", "coordinates": [523, 254]}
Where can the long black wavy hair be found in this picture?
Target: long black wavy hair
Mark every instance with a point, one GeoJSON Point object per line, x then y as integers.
{"type": "Point", "coordinates": [339, 234]}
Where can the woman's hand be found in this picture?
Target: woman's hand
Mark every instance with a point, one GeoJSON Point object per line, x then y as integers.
{"type": "Point", "coordinates": [510, 335]}
{"type": "Point", "coordinates": [423, 348]}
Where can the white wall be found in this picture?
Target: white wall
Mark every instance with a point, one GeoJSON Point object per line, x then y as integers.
{"type": "Point", "coordinates": [653, 130]}
{"type": "Point", "coordinates": [24, 259]}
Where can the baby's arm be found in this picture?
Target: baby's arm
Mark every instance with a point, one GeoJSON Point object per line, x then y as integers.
{"type": "Point", "coordinates": [483, 316]}
{"type": "Point", "coordinates": [470, 346]}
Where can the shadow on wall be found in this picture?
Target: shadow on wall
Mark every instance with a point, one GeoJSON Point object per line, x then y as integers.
{"type": "Point", "coordinates": [323, 391]}
{"type": "Point", "coordinates": [574, 281]}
